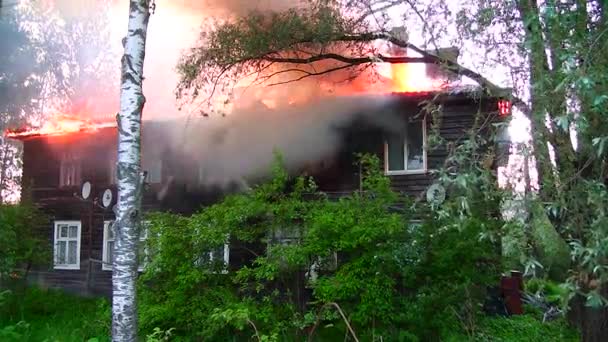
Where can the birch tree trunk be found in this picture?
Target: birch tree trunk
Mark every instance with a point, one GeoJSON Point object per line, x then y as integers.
{"type": "Point", "coordinates": [130, 177]}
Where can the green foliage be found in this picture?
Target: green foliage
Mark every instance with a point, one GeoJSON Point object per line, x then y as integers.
{"type": "Point", "coordinates": [308, 264]}
{"type": "Point", "coordinates": [47, 315]}
{"type": "Point", "coordinates": [524, 328]}
{"type": "Point", "coordinates": [21, 246]}
{"type": "Point", "coordinates": [552, 292]}
{"type": "Point", "coordinates": [232, 49]}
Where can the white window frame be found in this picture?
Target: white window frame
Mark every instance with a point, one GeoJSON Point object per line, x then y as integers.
{"type": "Point", "coordinates": [57, 239]}
{"type": "Point", "coordinates": [211, 254]}
{"type": "Point", "coordinates": [405, 171]}
{"type": "Point", "coordinates": [142, 240]}
{"type": "Point", "coordinates": [107, 266]}
{"type": "Point", "coordinates": [226, 257]}
{"type": "Point", "coordinates": [70, 170]}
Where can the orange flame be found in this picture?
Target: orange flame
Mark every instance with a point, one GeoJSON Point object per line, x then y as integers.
{"type": "Point", "coordinates": [412, 77]}
{"type": "Point", "coordinates": [60, 124]}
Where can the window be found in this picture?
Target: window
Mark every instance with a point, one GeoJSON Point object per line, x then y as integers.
{"type": "Point", "coordinates": [67, 245]}
{"type": "Point", "coordinates": [108, 246]}
{"type": "Point", "coordinates": [142, 250]}
{"type": "Point", "coordinates": [69, 170]}
{"type": "Point", "coordinates": [220, 253]}
{"type": "Point", "coordinates": [406, 153]}
{"type": "Point", "coordinates": [154, 169]}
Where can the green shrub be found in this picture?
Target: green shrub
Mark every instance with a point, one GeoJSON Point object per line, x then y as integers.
{"type": "Point", "coordinates": [390, 280]}
{"type": "Point", "coordinates": [50, 315]}
{"type": "Point", "coordinates": [525, 328]}
{"type": "Point", "coordinates": [21, 246]}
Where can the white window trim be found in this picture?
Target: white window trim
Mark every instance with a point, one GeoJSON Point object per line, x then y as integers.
{"type": "Point", "coordinates": [55, 240]}
{"type": "Point", "coordinates": [226, 257]}
{"type": "Point", "coordinates": [424, 169]}
{"type": "Point", "coordinates": [104, 253]}
{"type": "Point", "coordinates": [142, 239]}
{"type": "Point", "coordinates": [226, 253]}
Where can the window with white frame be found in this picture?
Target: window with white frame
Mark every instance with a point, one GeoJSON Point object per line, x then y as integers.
{"type": "Point", "coordinates": [67, 245]}
{"type": "Point", "coordinates": [69, 170]}
{"type": "Point", "coordinates": [108, 245]}
{"type": "Point", "coordinates": [109, 242]}
{"type": "Point", "coordinates": [406, 152]}
{"type": "Point", "coordinates": [142, 250]}
{"type": "Point", "coordinates": [219, 254]}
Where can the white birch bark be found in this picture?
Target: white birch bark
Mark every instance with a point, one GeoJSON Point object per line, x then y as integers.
{"type": "Point", "coordinates": [130, 177]}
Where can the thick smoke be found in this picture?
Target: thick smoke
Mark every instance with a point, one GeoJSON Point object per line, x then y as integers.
{"type": "Point", "coordinates": [241, 145]}
{"type": "Point", "coordinates": [236, 7]}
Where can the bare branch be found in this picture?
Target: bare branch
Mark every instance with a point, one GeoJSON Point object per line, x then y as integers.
{"type": "Point", "coordinates": [309, 74]}
{"type": "Point", "coordinates": [349, 60]}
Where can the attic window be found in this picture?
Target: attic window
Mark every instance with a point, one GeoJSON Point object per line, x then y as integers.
{"type": "Point", "coordinates": [406, 152]}
{"type": "Point", "coordinates": [69, 170]}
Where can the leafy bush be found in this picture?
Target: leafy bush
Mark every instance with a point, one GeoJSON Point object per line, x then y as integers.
{"type": "Point", "coordinates": [50, 315]}
{"type": "Point", "coordinates": [524, 328]}
{"type": "Point", "coordinates": [311, 266]}
{"type": "Point", "coordinates": [20, 246]}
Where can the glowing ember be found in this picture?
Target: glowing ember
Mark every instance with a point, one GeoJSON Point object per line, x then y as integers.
{"type": "Point", "coordinates": [60, 125]}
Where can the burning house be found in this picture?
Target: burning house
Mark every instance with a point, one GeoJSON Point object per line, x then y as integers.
{"type": "Point", "coordinates": [69, 165]}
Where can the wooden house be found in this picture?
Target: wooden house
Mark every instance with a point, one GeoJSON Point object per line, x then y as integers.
{"type": "Point", "coordinates": [55, 167]}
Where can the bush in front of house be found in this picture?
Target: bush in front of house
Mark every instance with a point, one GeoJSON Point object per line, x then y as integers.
{"type": "Point", "coordinates": [319, 268]}
{"type": "Point", "coordinates": [51, 315]}
{"type": "Point", "coordinates": [21, 247]}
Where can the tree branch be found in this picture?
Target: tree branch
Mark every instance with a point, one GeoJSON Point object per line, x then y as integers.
{"type": "Point", "coordinates": [349, 60]}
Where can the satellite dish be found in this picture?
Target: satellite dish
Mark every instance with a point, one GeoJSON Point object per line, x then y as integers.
{"type": "Point", "coordinates": [435, 194]}
{"type": "Point", "coordinates": [106, 198]}
{"type": "Point", "coordinates": [86, 190]}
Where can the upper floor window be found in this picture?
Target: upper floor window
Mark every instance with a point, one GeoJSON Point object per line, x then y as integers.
{"type": "Point", "coordinates": [154, 168]}
{"type": "Point", "coordinates": [69, 170]}
{"type": "Point", "coordinates": [67, 245]}
{"type": "Point", "coordinates": [406, 152]}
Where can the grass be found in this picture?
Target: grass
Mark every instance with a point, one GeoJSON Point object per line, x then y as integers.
{"type": "Point", "coordinates": [49, 315]}
{"type": "Point", "coordinates": [528, 327]}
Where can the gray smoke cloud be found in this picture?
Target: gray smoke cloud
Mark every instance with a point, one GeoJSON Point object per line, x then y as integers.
{"type": "Point", "coordinates": [237, 7]}
{"type": "Point", "coordinates": [242, 145]}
